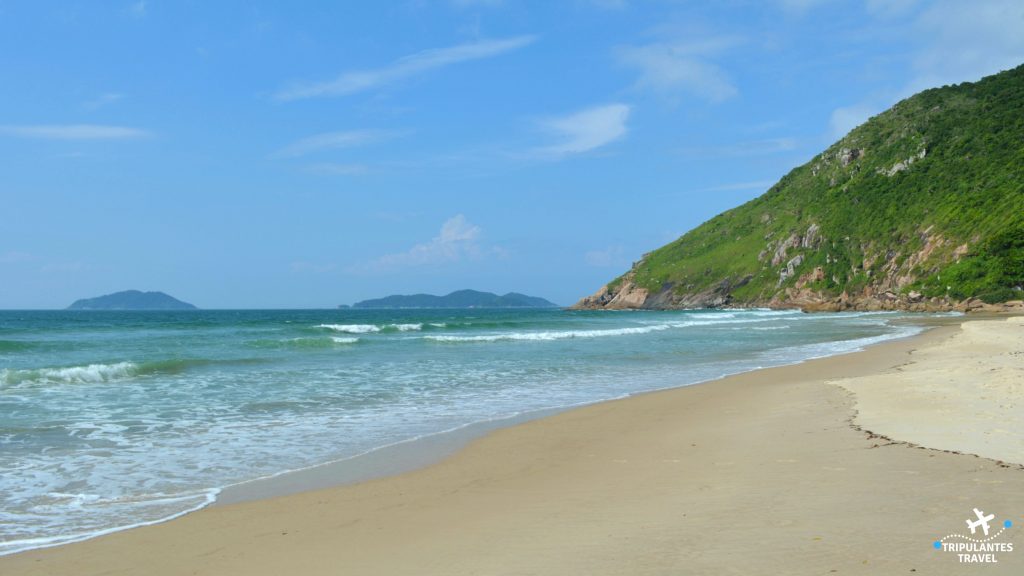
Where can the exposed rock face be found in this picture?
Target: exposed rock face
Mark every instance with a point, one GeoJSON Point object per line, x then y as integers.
{"type": "Point", "coordinates": [847, 155]}
{"type": "Point", "coordinates": [890, 273]}
{"type": "Point", "coordinates": [904, 164]}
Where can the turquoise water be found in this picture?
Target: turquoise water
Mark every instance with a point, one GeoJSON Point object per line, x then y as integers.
{"type": "Point", "coordinates": [116, 419]}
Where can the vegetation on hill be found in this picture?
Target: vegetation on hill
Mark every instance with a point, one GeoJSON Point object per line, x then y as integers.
{"type": "Point", "coordinates": [458, 299]}
{"type": "Point", "coordinates": [923, 205]}
{"type": "Point", "coordinates": [132, 300]}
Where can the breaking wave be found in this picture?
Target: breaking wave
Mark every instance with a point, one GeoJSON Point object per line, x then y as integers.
{"type": "Point", "coordinates": [91, 373]}
{"type": "Point", "coordinates": [351, 328]}
{"type": "Point", "coordinates": [551, 335]}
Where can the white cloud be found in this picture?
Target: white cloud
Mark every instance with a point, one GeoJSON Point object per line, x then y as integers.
{"type": "Point", "coordinates": [847, 118]}
{"type": "Point", "coordinates": [586, 130]}
{"type": "Point", "coordinates": [138, 9]}
{"type": "Point", "coordinates": [475, 3]}
{"type": "Point", "coordinates": [408, 66]}
{"type": "Point", "coordinates": [952, 42]}
{"type": "Point", "coordinates": [63, 267]}
{"type": "Point", "coordinates": [332, 140]}
{"type": "Point", "coordinates": [102, 100]}
{"type": "Point", "coordinates": [964, 41]}
{"type": "Point", "coordinates": [668, 68]}
{"type": "Point", "coordinates": [741, 149]}
{"type": "Point", "coordinates": [74, 132]}
{"type": "Point", "coordinates": [801, 6]}
{"type": "Point", "coordinates": [609, 4]}
{"type": "Point", "coordinates": [734, 186]}
{"type": "Point", "coordinates": [887, 9]}
{"type": "Point", "coordinates": [302, 266]}
{"type": "Point", "coordinates": [458, 239]}
{"type": "Point", "coordinates": [15, 257]}
{"type": "Point", "coordinates": [610, 257]}
{"type": "Point", "coordinates": [337, 169]}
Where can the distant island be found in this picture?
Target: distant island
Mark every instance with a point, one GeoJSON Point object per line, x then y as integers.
{"type": "Point", "coordinates": [458, 299]}
{"type": "Point", "coordinates": [132, 300]}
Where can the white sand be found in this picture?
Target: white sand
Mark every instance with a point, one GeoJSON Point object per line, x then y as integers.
{"type": "Point", "coordinates": [965, 394]}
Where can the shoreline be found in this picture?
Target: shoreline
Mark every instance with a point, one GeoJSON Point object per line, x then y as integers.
{"type": "Point", "coordinates": [119, 548]}
{"type": "Point", "coordinates": [413, 454]}
{"type": "Point", "coordinates": [407, 455]}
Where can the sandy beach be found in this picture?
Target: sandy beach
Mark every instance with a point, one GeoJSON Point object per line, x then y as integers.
{"type": "Point", "coordinates": [844, 465]}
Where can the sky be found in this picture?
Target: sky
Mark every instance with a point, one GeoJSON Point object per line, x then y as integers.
{"type": "Point", "coordinates": [310, 154]}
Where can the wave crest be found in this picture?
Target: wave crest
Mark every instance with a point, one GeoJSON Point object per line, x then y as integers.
{"type": "Point", "coordinates": [88, 374]}
{"type": "Point", "coordinates": [351, 328]}
{"type": "Point", "coordinates": [560, 335]}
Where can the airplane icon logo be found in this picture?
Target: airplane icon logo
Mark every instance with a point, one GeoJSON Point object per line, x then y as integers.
{"type": "Point", "coordinates": [981, 521]}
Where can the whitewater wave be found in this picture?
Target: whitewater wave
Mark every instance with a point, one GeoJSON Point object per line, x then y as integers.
{"type": "Point", "coordinates": [351, 328]}
{"type": "Point", "coordinates": [559, 335]}
{"type": "Point", "coordinates": [98, 373]}
{"type": "Point", "coordinates": [304, 343]}
{"type": "Point", "coordinates": [371, 328]}
{"type": "Point", "coordinates": [406, 327]}
{"type": "Point", "coordinates": [88, 374]}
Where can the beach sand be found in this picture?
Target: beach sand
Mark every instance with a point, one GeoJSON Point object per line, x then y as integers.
{"type": "Point", "coordinates": [760, 473]}
{"type": "Point", "coordinates": [965, 394]}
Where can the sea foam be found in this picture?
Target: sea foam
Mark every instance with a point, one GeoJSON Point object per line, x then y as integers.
{"type": "Point", "coordinates": [351, 328]}
{"type": "Point", "coordinates": [90, 373]}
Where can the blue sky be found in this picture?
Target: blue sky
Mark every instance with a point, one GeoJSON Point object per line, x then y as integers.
{"type": "Point", "coordinates": [246, 154]}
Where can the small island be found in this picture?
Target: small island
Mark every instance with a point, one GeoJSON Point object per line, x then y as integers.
{"type": "Point", "coordinates": [132, 300]}
{"type": "Point", "coordinates": [458, 299]}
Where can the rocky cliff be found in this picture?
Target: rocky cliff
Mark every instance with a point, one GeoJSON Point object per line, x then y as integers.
{"type": "Point", "coordinates": [920, 208]}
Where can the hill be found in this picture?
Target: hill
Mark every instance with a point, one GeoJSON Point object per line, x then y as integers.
{"type": "Point", "coordinates": [132, 300]}
{"type": "Point", "coordinates": [458, 299]}
{"type": "Point", "coordinates": [919, 208]}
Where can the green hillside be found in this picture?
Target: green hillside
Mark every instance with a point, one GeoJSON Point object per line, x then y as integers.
{"type": "Point", "coordinates": [131, 300]}
{"type": "Point", "coordinates": [923, 204]}
{"type": "Point", "coordinates": [458, 299]}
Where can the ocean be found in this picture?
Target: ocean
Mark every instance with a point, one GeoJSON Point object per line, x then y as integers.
{"type": "Point", "coordinates": [110, 420]}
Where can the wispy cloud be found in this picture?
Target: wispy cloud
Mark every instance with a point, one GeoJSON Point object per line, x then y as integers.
{"type": "Point", "coordinates": [950, 42]}
{"type": "Point", "coordinates": [609, 4]}
{"type": "Point", "coordinates": [585, 130]}
{"type": "Point", "coordinates": [610, 257]}
{"type": "Point", "coordinates": [960, 41]}
{"type": "Point", "coordinates": [846, 118]}
{"type": "Point", "coordinates": [741, 149]}
{"type": "Point", "coordinates": [886, 9]}
{"type": "Point", "coordinates": [74, 132]}
{"type": "Point", "coordinates": [304, 267]}
{"type": "Point", "coordinates": [15, 257]}
{"type": "Point", "coordinates": [333, 140]}
{"type": "Point", "coordinates": [476, 3]}
{"type": "Point", "coordinates": [406, 67]}
{"type": "Point", "coordinates": [337, 169]}
{"type": "Point", "coordinates": [457, 240]}
{"type": "Point", "coordinates": [671, 67]}
{"type": "Point", "coordinates": [138, 9]}
{"type": "Point", "coordinates": [736, 186]}
{"type": "Point", "coordinates": [102, 100]}
{"type": "Point", "coordinates": [800, 6]}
